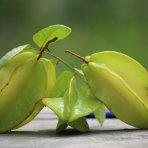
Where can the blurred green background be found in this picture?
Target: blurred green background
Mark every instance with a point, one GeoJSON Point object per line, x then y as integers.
{"type": "Point", "coordinates": [120, 25]}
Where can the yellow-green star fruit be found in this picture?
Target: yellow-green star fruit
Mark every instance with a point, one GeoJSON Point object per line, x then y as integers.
{"type": "Point", "coordinates": [121, 83]}
{"type": "Point", "coordinates": [24, 81]}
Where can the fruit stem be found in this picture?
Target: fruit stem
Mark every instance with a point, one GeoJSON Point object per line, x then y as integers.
{"type": "Point", "coordinates": [45, 47]}
{"type": "Point", "coordinates": [77, 55]}
{"type": "Point", "coordinates": [66, 64]}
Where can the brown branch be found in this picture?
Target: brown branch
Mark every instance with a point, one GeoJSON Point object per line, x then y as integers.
{"type": "Point", "coordinates": [77, 55]}
{"type": "Point", "coordinates": [45, 47]}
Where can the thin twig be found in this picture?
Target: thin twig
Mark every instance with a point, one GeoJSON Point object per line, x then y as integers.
{"type": "Point", "coordinates": [45, 47]}
{"type": "Point", "coordinates": [77, 55]}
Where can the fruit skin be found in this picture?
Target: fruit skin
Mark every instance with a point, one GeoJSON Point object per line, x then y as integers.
{"type": "Point", "coordinates": [24, 82]}
{"type": "Point", "coordinates": [121, 83]}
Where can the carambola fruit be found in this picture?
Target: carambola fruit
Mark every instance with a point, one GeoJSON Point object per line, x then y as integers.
{"type": "Point", "coordinates": [24, 81]}
{"type": "Point", "coordinates": [121, 83]}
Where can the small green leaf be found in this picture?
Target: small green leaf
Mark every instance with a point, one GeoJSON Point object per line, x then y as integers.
{"type": "Point", "coordinates": [10, 54]}
{"type": "Point", "coordinates": [62, 84]}
{"type": "Point", "coordinates": [80, 125]}
{"type": "Point", "coordinates": [100, 114]}
{"type": "Point", "coordinates": [42, 37]}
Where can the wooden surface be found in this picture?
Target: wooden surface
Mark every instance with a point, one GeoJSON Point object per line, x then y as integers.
{"type": "Point", "coordinates": [41, 133]}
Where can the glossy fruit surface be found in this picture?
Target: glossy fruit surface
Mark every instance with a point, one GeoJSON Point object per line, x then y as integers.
{"type": "Point", "coordinates": [24, 82]}
{"type": "Point", "coordinates": [121, 83]}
